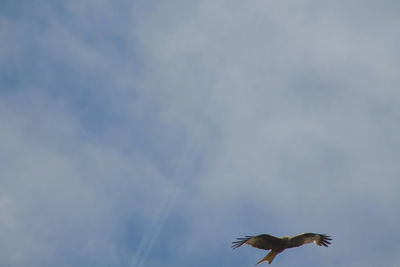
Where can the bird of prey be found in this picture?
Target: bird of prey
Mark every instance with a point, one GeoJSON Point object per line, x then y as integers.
{"type": "Point", "coordinates": [277, 245]}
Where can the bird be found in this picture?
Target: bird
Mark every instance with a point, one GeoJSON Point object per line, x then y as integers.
{"type": "Point", "coordinates": [277, 245]}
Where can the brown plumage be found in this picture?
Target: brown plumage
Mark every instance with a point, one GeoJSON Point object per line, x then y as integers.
{"type": "Point", "coordinates": [277, 245]}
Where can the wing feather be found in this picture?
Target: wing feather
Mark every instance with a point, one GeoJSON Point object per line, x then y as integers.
{"type": "Point", "coordinates": [260, 241]}
{"type": "Point", "coordinates": [319, 239]}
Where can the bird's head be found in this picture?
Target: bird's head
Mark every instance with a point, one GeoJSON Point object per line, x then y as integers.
{"type": "Point", "coordinates": [285, 239]}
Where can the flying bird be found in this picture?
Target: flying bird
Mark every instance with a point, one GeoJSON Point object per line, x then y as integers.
{"type": "Point", "coordinates": [277, 245]}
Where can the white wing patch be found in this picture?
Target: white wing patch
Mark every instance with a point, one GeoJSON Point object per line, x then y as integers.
{"type": "Point", "coordinates": [313, 239]}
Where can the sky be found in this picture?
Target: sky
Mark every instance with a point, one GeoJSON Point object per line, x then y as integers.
{"type": "Point", "coordinates": [154, 133]}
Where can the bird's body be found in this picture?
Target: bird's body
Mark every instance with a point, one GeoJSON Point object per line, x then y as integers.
{"type": "Point", "coordinates": [277, 245]}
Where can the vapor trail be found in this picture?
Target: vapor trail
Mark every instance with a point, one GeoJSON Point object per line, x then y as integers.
{"type": "Point", "coordinates": [163, 210]}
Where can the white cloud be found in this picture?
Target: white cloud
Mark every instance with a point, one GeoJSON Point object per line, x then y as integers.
{"type": "Point", "coordinates": [299, 102]}
{"type": "Point", "coordinates": [284, 116]}
{"type": "Point", "coordinates": [64, 197]}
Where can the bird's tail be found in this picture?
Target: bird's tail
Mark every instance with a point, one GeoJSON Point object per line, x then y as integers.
{"type": "Point", "coordinates": [240, 241]}
{"type": "Point", "coordinates": [270, 257]}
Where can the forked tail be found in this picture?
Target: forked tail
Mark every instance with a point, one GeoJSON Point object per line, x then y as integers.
{"type": "Point", "coordinates": [270, 257]}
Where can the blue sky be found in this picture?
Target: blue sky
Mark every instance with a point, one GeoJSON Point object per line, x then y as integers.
{"type": "Point", "coordinates": [153, 133]}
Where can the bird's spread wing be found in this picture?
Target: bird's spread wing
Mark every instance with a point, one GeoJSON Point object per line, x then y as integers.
{"type": "Point", "coordinates": [260, 241]}
{"type": "Point", "coordinates": [319, 239]}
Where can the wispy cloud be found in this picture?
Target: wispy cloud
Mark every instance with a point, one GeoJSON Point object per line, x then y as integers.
{"type": "Point", "coordinates": [261, 116]}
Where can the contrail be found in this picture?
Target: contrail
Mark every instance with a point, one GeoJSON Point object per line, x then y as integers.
{"type": "Point", "coordinates": [163, 210]}
{"type": "Point", "coordinates": [160, 215]}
